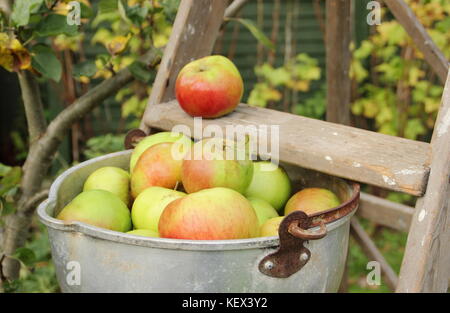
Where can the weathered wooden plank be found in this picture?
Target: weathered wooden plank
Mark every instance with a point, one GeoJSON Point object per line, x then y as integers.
{"type": "Point", "coordinates": [426, 261]}
{"type": "Point", "coordinates": [193, 36]}
{"type": "Point", "coordinates": [384, 212]}
{"type": "Point", "coordinates": [337, 43]}
{"type": "Point", "coordinates": [419, 35]}
{"type": "Point", "coordinates": [381, 160]}
{"type": "Point", "coordinates": [338, 37]}
{"type": "Point", "coordinates": [373, 253]}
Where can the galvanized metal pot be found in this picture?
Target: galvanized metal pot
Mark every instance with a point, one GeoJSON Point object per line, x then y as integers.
{"type": "Point", "coordinates": [91, 259]}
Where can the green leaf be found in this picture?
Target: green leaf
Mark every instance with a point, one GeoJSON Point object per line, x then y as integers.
{"type": "Point", "coordinates": [6, 207]}
{"type": "Point", "coordinates": [414, 128]}
{"type": "Point", "coordinates": [45, 62]}
{"type": "Point", "coordinates": [431, 105]}
{"type": "Point", "coordinates": [86, 11]}
{"type": "Point", "coordinates": [22, 10]}
{"type": "Point", "coordinates": [256, 32]}
{"type": "Point", "coordinates": [103, 59]}
{"type": "Point", "coordinates": [436, 91]}
{"type": "Point", "coordinates": [170, 8]}
{"type": "Point", "coordinates": [358, 71]}
{"type": "Point", "coordinates": [101, 145]}
{"type": "Point", "coordinates": [4, 169]}
{"type": "Point", "coordinates": [261, 94]}
{"type": "Point", "coordinates": [155, 10]}
{"type": "Point", "coordinates": [444, 25]}
{"type": "Point", "coordinates": [107, 6]}
{"type": "Point", "coordinates": [280, 76]}
{"type": "Point", "coordinates": [133, 15]}
{"type": "Point", "coordinates": [364, 50]}
{"type": "Point", "coordinates": [123, 11]}
{"type": "Point", "coordinates": [358, 107]}
{"type": "Point", "coordinates": [87, 69]}
{"type": "Point", "coordinates": [10, 180]}
{"type": "Point", "coordinates": [25, 255]}
{"type": "Point", "coordinates": [141, 72]}
{"type": "Point", "coordinates": [276, 77]}
{"type": "Point", "coordinates": [55, 24]}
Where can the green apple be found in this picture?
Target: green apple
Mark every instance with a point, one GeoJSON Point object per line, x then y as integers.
{"type": "Point", "coordinates": [263, 209]}
{"type": "Point", "coordinates": [183, 141]}
{"type": "Point", "coordinates": [144, 233]}
{"type": "Point", "coordinates": [112, 179]}
{"type": "Point", "coordinates": [271, 183]}
{"type": "Point", "coordinates": [270, 227]}
{"type": "Point", "coordinates": [210, 214]}
{"type": "Point", "coordinates": [148, 206]}
{"type": "Point", "coordinates": [312, 201]}
{"type": "Point", "coordinates": [100, 208]}
{"type": "Point", "coordinates": [216, 162]}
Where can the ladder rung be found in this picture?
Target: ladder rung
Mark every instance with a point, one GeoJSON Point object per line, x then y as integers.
{"type": "Point", "coordinates": [386, 161]}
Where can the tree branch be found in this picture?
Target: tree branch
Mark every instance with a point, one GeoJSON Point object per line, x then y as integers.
{"type": "Point", "coordinates": [32, 102]}
{"type": "Point", "coordinates": [36, 199]}
{"type": "Point", "coordinates": [234, 8]}
{"type": "Point", "coordinates": [6, 6]}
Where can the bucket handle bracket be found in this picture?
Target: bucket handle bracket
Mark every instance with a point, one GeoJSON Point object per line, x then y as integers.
{"type": "Point", "coordinates": [133, 137]}
{"type": "Point", "coordinates": [291, 256]}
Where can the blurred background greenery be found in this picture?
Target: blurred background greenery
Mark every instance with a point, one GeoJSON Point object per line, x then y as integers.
{"type": "Point", "coordinates": [279, 48]}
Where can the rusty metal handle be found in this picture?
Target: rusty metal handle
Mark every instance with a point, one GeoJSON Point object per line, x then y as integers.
{"type": "Point", "coordinates": [291, 255]}
{"type": "Point", "coordinates": [133, 137]}
{"type": "Point", "coordinates": [305, 234]}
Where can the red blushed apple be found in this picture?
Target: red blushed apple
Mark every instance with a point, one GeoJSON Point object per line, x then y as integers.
{"type": "Point", "coordinates": [210, 214]}
{"type": "Point", "coordinates": [209, 87]}
{"type": "Point", "coordinates": [156, 167]}
{"type": "Point", "coordinates": [216, 162]}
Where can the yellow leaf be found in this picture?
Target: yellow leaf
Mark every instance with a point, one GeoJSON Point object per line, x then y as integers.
{"type": "Point", "coordinates": [13, 56]}
{"type": "Point", "coordinates": [103, 73]}
{"type": "Point", "coordinates": [274, 95]}
{"type": "Point", "coordinates": [301, 85]}
{"type": "Point", "coordinates": [62, 8]}
{"type": "Point", "coordinates": [414, 75]}
{"type": "Point", "coordinates": [160, 39]}
{"type": "Point", "coordinates": [63, 42]}
{"type": "Point", "coordinates": [102, 36]}
{"type": "Point", "coordinates": [370, 109]}
{"type": "Point", "coordinates": [387, 129]}
{"type": "Point", "coordinates": [118, 44]}
{"type": "Point", "coordinates": [121, 62]}
{"type": "Point", "coordinates": [432, 105]}
{"type": "Point", "coordinates": [392, 32]}
{"type": "Point", "coordinates": [84, 79]}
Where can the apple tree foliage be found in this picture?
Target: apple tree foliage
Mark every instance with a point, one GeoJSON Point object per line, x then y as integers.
{"type": "Point", "coordinates": [296, 75]}
{"type": "Point", "coordinates": [397, 90]}
{"type": "Point", "coordinates": [36, 31]}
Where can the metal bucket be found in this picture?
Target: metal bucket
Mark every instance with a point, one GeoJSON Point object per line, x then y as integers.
{"type": "Point", "coordinates": [92, 259]}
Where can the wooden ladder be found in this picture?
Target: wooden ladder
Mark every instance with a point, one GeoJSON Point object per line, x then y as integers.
{"type": "Point", "coordinates": [412, 167]}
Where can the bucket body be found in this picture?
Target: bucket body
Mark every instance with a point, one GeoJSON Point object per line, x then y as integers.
{"type": "Point", "coordinates": [92, 259]}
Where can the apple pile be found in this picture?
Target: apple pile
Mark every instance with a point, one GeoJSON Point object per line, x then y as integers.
{"type": "Point", "coordinates": [179, 189]}
{"type": "Point", "coordinates": [171, 193]}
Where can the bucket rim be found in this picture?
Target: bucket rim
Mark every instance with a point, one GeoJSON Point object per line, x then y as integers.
{"type": "Point", "coordinates": [48, 220]}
